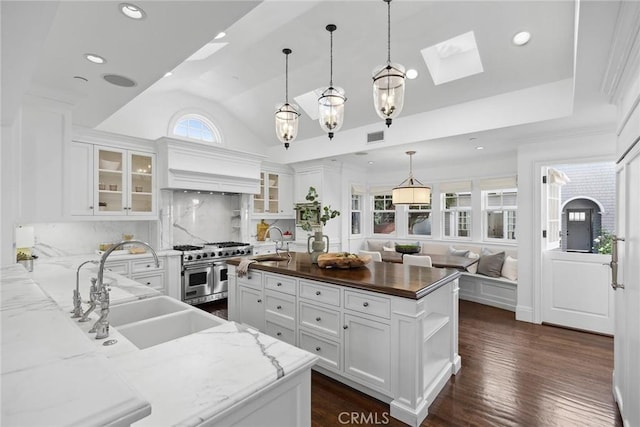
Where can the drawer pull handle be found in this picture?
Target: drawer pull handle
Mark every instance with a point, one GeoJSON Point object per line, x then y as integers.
{"type": "Point", "coordinates": [148, 283]}
{"type": "Point", "coordinates": [259, 301]}
{"type": "Point", "coordinates": [278, 284]}
{"type": "Point", "coordinates": [279, 333]}
{"type": "Point", "coordinates": [248, 277]}
{"type": "Point", "coordinates": [366, 304]}
{"type": "Point", "coordinates": [279, 307]}
{"type": "Point", "coordinates": [148, 265]}
{"type": "Point", "coordinates": [317, 348]}
{"type": "Point", "coordinates": [318, 292]}
{"type": "Point", "coordinates": [318, 319]}
{"type": "Point", "coordinates": [345, 327]}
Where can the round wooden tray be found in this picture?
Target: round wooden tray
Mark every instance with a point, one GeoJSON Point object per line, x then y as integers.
{"type": "Point", "coordinates": [339, 260]}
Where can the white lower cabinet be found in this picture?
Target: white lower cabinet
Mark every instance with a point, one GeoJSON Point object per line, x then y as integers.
{"type": "Point", "coordinates": [145, 271]}
{"type": "Point", "coordinates": [362, 339]}
{"type": "Point", "coordinates": [250, 307]}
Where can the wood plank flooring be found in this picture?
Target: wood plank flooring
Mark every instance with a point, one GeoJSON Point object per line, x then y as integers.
{"type": "Point", "coordinates": [513, 374]}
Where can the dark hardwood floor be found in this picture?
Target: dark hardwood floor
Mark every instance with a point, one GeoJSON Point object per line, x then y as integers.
{"type": "Point", "coordinates": [513, 374]}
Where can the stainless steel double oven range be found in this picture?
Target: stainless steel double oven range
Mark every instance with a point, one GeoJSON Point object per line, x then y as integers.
{"type": "Point", "coordinates": [204, 269]}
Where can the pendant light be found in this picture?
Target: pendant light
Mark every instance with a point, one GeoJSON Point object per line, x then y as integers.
{"type": "Point", "coordinates": [331, 102]}
{"type": "Point", "coordinates": [411, 191]}
{"type": "Point", "coordinates": [287, 115]}
{"type": "Point", "coordinates": [388, 82]}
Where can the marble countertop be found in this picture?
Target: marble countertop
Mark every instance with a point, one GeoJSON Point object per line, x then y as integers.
{"type": "Point", "coordinates": [384, 277]}
{"type": "Point", "coordinates": [186, 381]}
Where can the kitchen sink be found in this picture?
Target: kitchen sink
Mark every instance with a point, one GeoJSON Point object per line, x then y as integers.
{"type": "Point", "coordinates": [135, 311]}
{"type": "Point", "coordinates": [157, 330]}
{"type": "Point", "coordinates": [270, 257]}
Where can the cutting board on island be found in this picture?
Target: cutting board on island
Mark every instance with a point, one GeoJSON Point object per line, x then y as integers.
{"type": "Point", "coordinates": [342, 260]}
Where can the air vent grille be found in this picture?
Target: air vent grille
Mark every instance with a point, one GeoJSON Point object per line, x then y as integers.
{"type": "Point", "coordinates": [375, 137]}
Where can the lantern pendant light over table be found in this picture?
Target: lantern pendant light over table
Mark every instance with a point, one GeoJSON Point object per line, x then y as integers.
{"type": "Point", "coordinates": [331, 102]}
{"type": "Point", "coordinates": [287, 115]}
{"type": "Point", "coordinates": [411, 191]}
{"type": "Point", "coordinates": [388, 82]}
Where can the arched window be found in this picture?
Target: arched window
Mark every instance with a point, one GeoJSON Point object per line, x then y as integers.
{"type": "Point", "coordinates": [195, 127]}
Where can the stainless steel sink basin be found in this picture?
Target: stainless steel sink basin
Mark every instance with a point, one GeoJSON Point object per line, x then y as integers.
{"type": "Point", "coordinates": [157, 330]}
{"type": "Point", "coordinates": [270, 257]}
{"type": "Point", "coordinates": [135, 311]}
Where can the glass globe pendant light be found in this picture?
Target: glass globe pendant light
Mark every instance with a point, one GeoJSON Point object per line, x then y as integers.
{"type": "Point", "coordinates": [388, 82]}
{"type": "Point", "coordinates": [287, 115]}
{"type": "Point", "coordinates": [411, 191]}
{"type": "Point", "coordinates": [332, 99]}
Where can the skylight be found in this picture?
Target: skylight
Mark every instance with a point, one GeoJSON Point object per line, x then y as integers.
{"type": "Point", "coordinates": [309, 103]}
{"type": "Point", "coordinates": [453, 59]}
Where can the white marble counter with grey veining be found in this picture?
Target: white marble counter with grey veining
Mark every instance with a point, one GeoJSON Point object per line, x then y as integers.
{"type": "Point", "coordinates": [55, 373]}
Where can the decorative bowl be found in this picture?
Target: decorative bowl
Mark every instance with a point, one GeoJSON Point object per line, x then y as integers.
{"type": "Point", "coordinates": [109, 165]}
{"type": "Point", "coordinates": [408, 249]}
{"type": "Point", "coordinates": [342, 260]}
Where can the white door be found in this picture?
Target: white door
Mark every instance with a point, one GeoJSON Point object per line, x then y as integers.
{"type": "Point", "coordinates": [626, 375]}
{"type": "Point", "coordinates": [575, 289]}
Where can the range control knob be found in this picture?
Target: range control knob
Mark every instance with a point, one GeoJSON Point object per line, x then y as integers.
{"type": "Point", "coordinates": [198, 257]}
{"type": "Point", "coordinates": [204, 255]}
{"type": "Point", "coordinates": [189, 258]}
{"type": "Point", "coordinates": [219, 253]}
{"type": "Point", "coordinates": [241, 252]}
{"type": "Point", "coordinates": [226, 254]}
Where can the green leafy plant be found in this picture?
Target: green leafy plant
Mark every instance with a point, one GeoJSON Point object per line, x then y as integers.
{"type": "Point", "coordinates": [22, 256]}
{"type": "Point", "coordinates": [602, 243]}
{"type": "Point", "coordinates": [311, 214]}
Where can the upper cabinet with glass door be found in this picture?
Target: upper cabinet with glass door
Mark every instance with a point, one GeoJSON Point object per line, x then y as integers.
{"type": "Point", "coordinates": [276, 196]}
{"type": "Point", "coordinates": [125, 182]}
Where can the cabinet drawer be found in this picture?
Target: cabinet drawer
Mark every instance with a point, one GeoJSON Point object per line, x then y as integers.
{"type": "Point", "coordinates": [320, 293]}
{"type": "Point", "coordinates": [154, 280]}
{"type": "Point", "coordinates": [280, 284]}
{"type": "Point", "coordinates": [149, 264]}
{"type": "Point", "coordinates": [120, 267]}
{"type": "Point", "coordinates": [253, 279]}
{"type": "Point", "coordinates": [366, 303]}
{"type": "Point", "coordinates": [280, 332]}
{"type": "Point", "coordinates": [328, 351]}
{"type": "Point", "coordinates": [281, 305]}
{"type": "Point", "coordinates": [320, 319]}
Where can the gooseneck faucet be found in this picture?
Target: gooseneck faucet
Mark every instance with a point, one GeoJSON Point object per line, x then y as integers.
{"type": "Point", "coordinates": [101, 327]}
{"type": "Point", "coordinates": [282, 245]}
{"type": "Point", "coordinates": [77, 301]}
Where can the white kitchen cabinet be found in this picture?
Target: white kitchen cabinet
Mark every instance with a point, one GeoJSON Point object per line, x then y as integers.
{"type": "Point", "coordinates": [80, 185]}
{"type": "Point", "coordinates": [144, 270]}
{"type": "Point", "coordinates": [264, 248]}
{"type": "Point", "coordinates": [275, 199]}
{"type": "Point", "coordinates": [250, 306]}
{"type": "Point", "coordinates": [362, 338]}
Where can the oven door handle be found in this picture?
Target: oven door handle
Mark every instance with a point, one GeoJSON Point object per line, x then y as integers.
{"type": "Point", "coordinates": [196, 267]}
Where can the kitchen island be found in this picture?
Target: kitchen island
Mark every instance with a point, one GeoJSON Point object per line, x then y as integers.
{"type": "Point", "coordinates": [55, 373]}
{"type": "Point", "coordinates": [388, 330]}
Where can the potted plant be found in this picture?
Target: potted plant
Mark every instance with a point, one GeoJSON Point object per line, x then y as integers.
{"type": "Point", "coordinates": [312, 217]}
{"type": "Point", "coordinates": [25, 259]}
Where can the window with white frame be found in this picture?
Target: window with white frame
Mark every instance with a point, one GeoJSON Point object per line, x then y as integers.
{"type": "Point", "coordinates": [383, 214]}
{"type": "Point", "coordinates": [196, 127]}
{"type": "Point", "coordinates": [356, 214]}
{"type": "Point", "coordinates": [419, 220]}
{"type": "Point", "coordinates": [500, 208]}
{"type": "Point", "coordinates": [456, 210]}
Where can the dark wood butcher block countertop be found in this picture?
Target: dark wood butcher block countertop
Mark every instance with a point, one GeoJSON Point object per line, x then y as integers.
{"type": "Point", "coordinates": [384, 277]}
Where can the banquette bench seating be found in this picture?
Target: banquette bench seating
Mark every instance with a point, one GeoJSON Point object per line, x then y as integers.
{"type": "Point", "coordinates": [493, 280]}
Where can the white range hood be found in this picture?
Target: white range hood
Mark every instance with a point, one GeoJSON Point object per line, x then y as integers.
{"type": "Point", "coordinates": [184, 165]}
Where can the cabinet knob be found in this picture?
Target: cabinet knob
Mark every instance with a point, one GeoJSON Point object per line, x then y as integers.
{"type": "Point", "coordinates": [278, 284]}
{"type": "Point", "coordinates": [317, 348]}
{"type": "Point", "coordinates": [318, 292]}
{"type": "Point", "coordinates": [345, 327]}
{"type": "Point", "coordinates": [259, 301]}
{"type": "Point", "coordinates": [90, 207]}
{"type": "Point", "coordinates": [318, 319]}
{"type": "Point", "coordinates": [148, 283]}
{"type": "Point", "coordinates": [279, 307]}
{"type": "Point", "coordinates": [149, 266]}
{"type": "Point", "coordinates": [279, 333]}
{"type": "Point", "coordinates": [366, 304]}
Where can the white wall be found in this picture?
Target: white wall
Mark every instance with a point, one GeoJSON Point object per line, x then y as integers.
{"type": "Point", "coordinates": [149, 116]}
{"type": "Point", "coordinates": [531, 157]}
{"type": "Point", "coordinates": [9, 200]}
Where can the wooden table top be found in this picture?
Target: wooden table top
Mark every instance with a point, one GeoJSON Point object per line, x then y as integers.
{"type": "Point", "coordinates": [437, 260]}
{"type": "Point", "coordinates": [400, 280]}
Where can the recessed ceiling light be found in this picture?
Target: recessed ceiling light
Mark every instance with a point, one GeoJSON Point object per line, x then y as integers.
{"type": "Point", "coordinates": [220, 35]}
{"type": "Point", "coordinates": [521, 38]}
{"type": "Point", "coordinates": [168, 74]}
{"type": "Point", "coordinates": [412, 73]}
{"type": "Point", "coordinates": [131, 11]}
{"type": "Point", "coordinates": [96, 59]}
{"type": "Point", "coordinates": [479, 147]}
{"type": "Point", "coordinates": [118, 80]}
{"type": "Point", "coordinates": [371, 162]}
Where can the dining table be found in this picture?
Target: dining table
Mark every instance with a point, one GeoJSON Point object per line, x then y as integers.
{"type": "Point", "coordinates": [437, 260]}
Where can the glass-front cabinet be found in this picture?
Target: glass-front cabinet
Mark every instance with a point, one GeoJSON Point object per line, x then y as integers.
{"type": "Point", "coordinates": [275, 197]}
{"type": "Point", "coordinates": [124, 182]}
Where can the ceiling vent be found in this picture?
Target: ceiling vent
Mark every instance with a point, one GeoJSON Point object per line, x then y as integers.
{"type": "Point", "coordinates": [375, 137]}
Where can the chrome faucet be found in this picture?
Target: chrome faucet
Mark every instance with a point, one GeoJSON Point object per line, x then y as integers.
{"type": "Point", "coordinates": [101, 292]}
{"type": "Point", "coordinates": [77, 301]}
{"type": "Point", "coordinates": [282, 244]}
